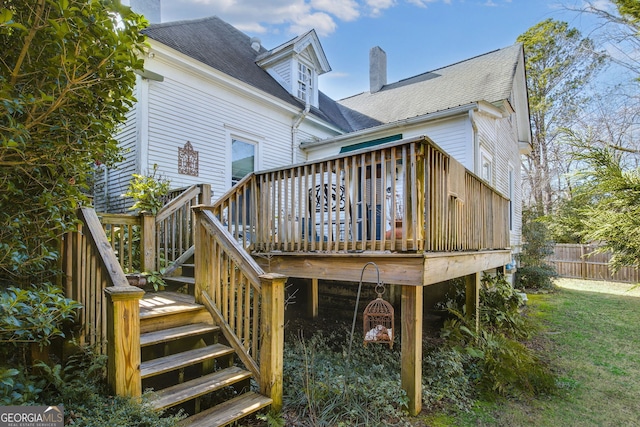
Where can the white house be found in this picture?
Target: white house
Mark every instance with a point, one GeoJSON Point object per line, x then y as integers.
{"type": "Point", "coordinates": [214, 105]}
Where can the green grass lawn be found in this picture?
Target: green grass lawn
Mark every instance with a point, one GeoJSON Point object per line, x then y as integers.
{"type": "Point", "coordinates": [591, 330]}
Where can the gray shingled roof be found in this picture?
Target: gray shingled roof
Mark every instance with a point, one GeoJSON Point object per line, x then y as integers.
{"type": "Point", "coordinates": [487, 77]}
{"type": "Point", "coordinates": [218, 44]}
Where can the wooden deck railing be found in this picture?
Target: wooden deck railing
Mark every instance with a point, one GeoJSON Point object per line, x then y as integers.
{"type": "Point", "coordinates": [245, 302]}
{"type": "Point", "coordinates": [174, 233]}
{"type": "Point", "coordinates": [110, 313]}
{"type": "Point", "coordinates": [402, 196]}
{"type": "Point", "coordinates": [147, 243]}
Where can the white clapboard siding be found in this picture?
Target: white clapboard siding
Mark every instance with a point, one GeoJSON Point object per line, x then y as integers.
{"type": "Point", "coordinates": [208, 116]}
{"type": "Point", "coordinates": [454, 137]}
{"type": "Point", "coordinates": [118, 179]}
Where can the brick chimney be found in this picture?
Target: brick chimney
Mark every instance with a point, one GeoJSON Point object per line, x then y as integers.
{"type": "Point", "coordinates": [149, 8]}
{"type": "Point", "coordinates": [377, 69]}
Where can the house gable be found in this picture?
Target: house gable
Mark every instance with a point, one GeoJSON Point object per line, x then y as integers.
{"type": "Point", "coordinates": [296, 65]}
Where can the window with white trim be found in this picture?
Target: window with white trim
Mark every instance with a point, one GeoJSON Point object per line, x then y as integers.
{"type": "Point", "coordinates": [486, 166]}
{"type": "Point", "coordinates": [305, 83]}
{"type": "Point", "coordinates": [243, 159]}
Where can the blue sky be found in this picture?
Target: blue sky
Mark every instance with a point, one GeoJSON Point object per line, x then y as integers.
{"type": "Point", "coordinates": [417, 35]}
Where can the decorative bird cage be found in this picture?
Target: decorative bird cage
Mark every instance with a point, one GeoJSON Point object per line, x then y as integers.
{"type": "Point", "coordinates": [378, 320]}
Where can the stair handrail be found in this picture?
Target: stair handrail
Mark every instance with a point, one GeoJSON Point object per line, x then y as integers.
{"type": "Point", "coordinates": [246, 303]}
{"type": "Point", "coordinates": [94, 277]}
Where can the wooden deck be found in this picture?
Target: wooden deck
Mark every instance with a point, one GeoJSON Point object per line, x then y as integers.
{"type": "Point", "coordinates": [410, 269]}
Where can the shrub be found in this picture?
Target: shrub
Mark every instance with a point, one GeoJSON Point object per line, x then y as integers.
{"type": "Point", "coordinates": [34, 315]}
{"type": "Point", "coordinates": [148, 192]}
{"type": "Point", "coordinates": [533, 270]}
{"type": "Point", "coordinates": [536, 277]}
{"type": "Point", "coordinates": [497, 362]}
{"type": "Point", "coordinates": [445, 381]}
{"type": "Point", "coordinates": [323, 386]}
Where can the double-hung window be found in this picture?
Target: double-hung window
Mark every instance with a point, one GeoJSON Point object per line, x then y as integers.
{"type": "Point", "coordinates": [305, 79]}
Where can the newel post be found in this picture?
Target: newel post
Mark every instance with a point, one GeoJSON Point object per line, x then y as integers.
{"type": "Point", "coordinates": [123, 340]}
{"type": "Point", "coordinates": [148, 241]}
{"type": "Point", "coordinates": [272, 344]}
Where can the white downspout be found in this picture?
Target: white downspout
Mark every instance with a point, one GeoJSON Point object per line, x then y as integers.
{"type": "Point", "coordinates": [298, 121]}
{"type": "Point", "coordinates": [474, 142]}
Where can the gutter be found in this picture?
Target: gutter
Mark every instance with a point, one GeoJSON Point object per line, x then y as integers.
{"type": "Point", "coordinates": [393, 125]}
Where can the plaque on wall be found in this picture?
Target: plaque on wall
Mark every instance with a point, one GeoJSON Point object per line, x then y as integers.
{"type": "Point", "coordinates": [187, 160]}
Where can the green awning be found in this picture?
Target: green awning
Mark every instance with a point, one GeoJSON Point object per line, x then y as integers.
{"type": "Point", "coordinates": [371, 143]}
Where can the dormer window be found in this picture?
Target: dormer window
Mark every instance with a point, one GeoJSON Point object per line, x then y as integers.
{"type": "Point", "coordinates": [296, 65]}
{"type": "Point", "coordinates": [305, 79]}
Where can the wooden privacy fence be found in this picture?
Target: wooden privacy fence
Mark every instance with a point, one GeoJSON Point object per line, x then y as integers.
{"type": "Point", "coordinates": [246, 303]}
{"type": "Point", "coordinates": [580, 261]}
{"type": "Point", "coordinates": [144, 242]}
{"type": "Point", "coordinates": [407, 196]}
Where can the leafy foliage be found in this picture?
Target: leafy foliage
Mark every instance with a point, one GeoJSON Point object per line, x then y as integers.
{"type": "Point", "coordinates": [33, 315]}
{"type": "Point", "coordinates": [534, 272]}
{"type": "Point", "coordinates": [322, 388]}
{"type": "Point", "coordinates": [80, 386]}
{"type": "Point", "coordinates": [614, 217]}
{"type": "Point", "coordinates": [497, 361]}
{"type": "Point", "coordinates": [66, 83]}
{"type": "Point", "coordinates": [446, 382]}
{"type": "Point", "coordinates": [148, 192]}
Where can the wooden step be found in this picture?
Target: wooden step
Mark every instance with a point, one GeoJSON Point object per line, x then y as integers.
{"type": "Point", "coordinates": [228, 412]}
{"type": "Point", "coordinates": [181, 360]}
{"type": "Point", "coordinates": [164, 335]}
{"type": "Point", "coordinates": [173, 283]}
{"type": "Point", "coordinates": [163, 310]}
{"type": "Point", "coordinates": [188, 270]}
{"type": "Point", "coordinates": [179, 280]}
{"type": "Point", "coordinates": [156, 304]}
{"type": "Point", "coordinates": [188, 390]}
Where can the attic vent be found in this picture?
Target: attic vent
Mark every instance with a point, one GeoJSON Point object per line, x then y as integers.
{"type": "Point", "coordinates": [255, 44]}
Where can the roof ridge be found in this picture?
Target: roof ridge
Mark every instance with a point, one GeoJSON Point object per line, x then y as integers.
{"type": "Point", "coordinates": [453, 64]}
{"type": "Point", "coordinates": [183, 22]}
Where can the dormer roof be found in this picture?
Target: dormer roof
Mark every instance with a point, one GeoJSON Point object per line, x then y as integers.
{"type": "Point", "coordinates": [294, 47]}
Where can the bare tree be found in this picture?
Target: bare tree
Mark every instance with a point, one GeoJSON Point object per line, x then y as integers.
{"type": "Point", "coordinates": [559, 64]}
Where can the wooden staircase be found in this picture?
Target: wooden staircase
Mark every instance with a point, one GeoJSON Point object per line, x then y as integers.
{"type": "Point", "coordinates": [185, 363]}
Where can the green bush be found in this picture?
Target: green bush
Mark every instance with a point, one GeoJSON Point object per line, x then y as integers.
{"type": "Point", "coordinates": [80, 386]}
{"type": "Point", "coordinates": [34, 315]}
{"type": "Point", "coordinates": [497, 361]}
{"type": "Point", "coordinates": [533, 270]}
{"type": "Point", "coordinates": [536, 277]}
{"type": "Point", "coordinates": [445, 381]}
{"type": "Point", "coordinates": [323, 386]}
{"type": "Point", "coordinates": [148, 192]}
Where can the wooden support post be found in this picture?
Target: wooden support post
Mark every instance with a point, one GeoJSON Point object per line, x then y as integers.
{"type": "Point", "coordinates": [312, 299]}
{"type": "Point", "coordinates": [148, 242]}
{"type": "Point", "coordinates": [473, 284]}
{"type": "Point", "coordinates": [411, 352]}
{"type": "Point", "coordinates": [272, 344]}
{"type": "Point", "coordinates": [123, 340]}
{"type": "Point", "coordinates": [205, 196]}
{"type": "Point", "coordinates": [203, 256]}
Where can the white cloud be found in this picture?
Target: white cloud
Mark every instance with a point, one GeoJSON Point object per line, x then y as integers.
{"type": "Point", "coordinates": [275, 16]}
{"type": "Point", "coordinates": [345, 10]}
{"type": "Point", "coordinates": [424, 3]}
{"type": "Point", "coordinates": [321, 22]}
{"type": "Point", "coordinates": [378, 6]}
